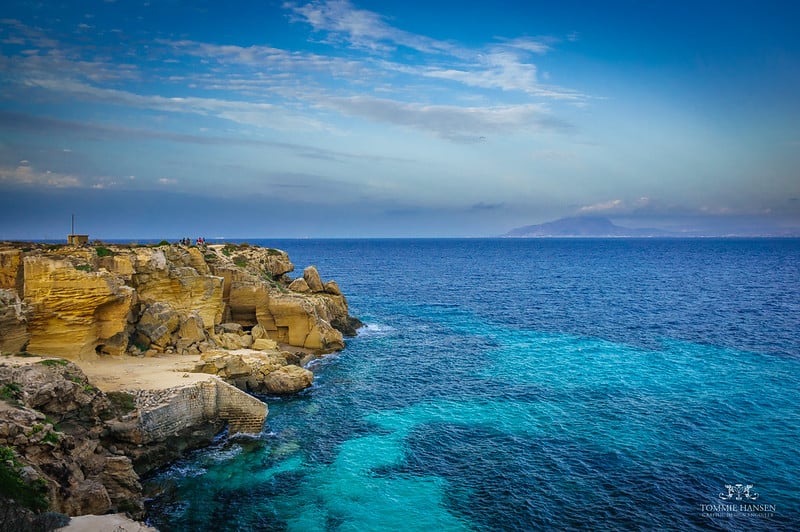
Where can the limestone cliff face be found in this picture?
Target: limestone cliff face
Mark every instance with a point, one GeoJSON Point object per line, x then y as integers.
{"type": "Point", "coordinates": [180, 278]}
{"type": "Point", "coordinates": [89, 301]}
{"type": "Point", "coordinates": [14, 316]}
{"type": "Point", "coordinates": [76, 313]}
{"type": "Point", "coordinates": [11, 269]}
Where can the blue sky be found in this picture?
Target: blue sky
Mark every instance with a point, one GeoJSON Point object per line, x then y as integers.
{"type": "Point", "coordinates": [165, 119]}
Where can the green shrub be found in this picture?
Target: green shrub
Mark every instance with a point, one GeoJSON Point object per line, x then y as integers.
{"type": "Point", "coordinates": [162, 243]}
{"type": "Point", "coordinates": [10, 391]}
{"type": "Point", "coordinates": [84, 268]}
{"type": "Point", "coordinates": [122, 401]}
{"type": "Point", "coordinates": [240, 261]}
{"type": "Point", "coordinates": [103, 251]}
{"type": "Point", "coordinates": [52, 362]}
{"type": "Point", "coordinates": [32, 496]}
{"type": "Point", "coordinates": [51, 437]}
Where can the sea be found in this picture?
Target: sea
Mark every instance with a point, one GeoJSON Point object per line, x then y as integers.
{"type": "Point", "coordinates": [526, 384]}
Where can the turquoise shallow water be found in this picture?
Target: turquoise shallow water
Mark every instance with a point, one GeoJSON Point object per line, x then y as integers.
{"type": "Point", "coordinates": [524, 385]}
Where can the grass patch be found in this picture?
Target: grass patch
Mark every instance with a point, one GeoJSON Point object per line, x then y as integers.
{"type": "Point", "coordinates": [84, 267]}
{"type": "Point", "coordinates": [32, 496]}
{"type": "Point", "coordinates": [51, 437]}
{"type": "Point", "coordinates": [103, 251]}
{"type": "Point", "coordinates": [161, 244]}
{"type": "Point", "coordinates": [10, 391]}
{"type": "Point", "coordinates": [240, 261]}
{"type": "Point", "coordinates": [52, 362]}
{"type": "Point", "coordinates": [122, 401]}
{"type": "Point", "coordinates": [273, 252]}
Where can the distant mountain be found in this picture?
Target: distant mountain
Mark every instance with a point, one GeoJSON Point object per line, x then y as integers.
{"type": "Point", "coordinates": [582, 226]}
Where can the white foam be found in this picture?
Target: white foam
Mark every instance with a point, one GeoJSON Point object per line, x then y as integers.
{"type": "Point", "coordinates": [375, 329]}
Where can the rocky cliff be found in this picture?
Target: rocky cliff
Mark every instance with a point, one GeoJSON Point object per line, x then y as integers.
{"type": "Point", "coordinates": [84, 302]}
{"type": "Point", "coordinates": [75, 445]}
{"type": "Point", "coordinates": [58, 452]}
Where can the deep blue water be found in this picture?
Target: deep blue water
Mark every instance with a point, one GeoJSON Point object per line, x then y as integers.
{"type": "Point", "coordinates": [528, 385]}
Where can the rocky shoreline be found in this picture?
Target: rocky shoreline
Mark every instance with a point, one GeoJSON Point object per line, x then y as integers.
{"type": "Point", "coordinates": [117, 359]}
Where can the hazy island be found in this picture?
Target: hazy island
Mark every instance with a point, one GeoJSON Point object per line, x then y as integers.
{"type": "Point", "coordinates": [118, 358]}
{"type": "Point", "coordinates": [592, 226]}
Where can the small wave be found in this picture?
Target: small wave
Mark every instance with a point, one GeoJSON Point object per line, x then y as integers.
{"type": "Point", "coordinates": [223, 455]}
{"type": "Point", "coordinates": [375, 329]}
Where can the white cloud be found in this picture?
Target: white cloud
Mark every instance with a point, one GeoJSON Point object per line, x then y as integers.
{"type": "Point", "coordinates": [362, 28]}
{"type": "Point", "coordinates": [27, 175]}
{"type": "Point", "coordinates": [243, 112]}
{"type": "Point", "coordinates": [619, 206]}
{"type": "Point", "coordinates": [603, 207]}
{"type": "Point", "coordinates": [167, 181]}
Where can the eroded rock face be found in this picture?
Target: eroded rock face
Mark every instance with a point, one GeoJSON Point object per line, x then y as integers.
{"type": "Point", "coordinates": [14, 316]}
{"type": "Point", "coordinates": [11, 269]}
{"type": "Point", "coordinates": [166, 275]}
{"type": "Point", "coordinates": [102, 300]}
{"type": "Point", "coordinates": [296, 320]}
{"type": "Point", "coordinates": [70, 458]}
{"type": "Point", "coordinates": [76, 313]}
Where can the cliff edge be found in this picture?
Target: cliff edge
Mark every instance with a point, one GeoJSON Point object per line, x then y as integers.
{"type": "Point", "coordinates": [92, 301]}
{"type": "Point", "coordinates": [157, 346]}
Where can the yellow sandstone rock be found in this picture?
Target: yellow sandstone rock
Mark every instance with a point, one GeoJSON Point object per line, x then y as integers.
{"type": "Point", "coordinates": [76, 313]}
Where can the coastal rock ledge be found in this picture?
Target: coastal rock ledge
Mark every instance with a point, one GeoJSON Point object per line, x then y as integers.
{"type": "Point", "coordinates": [83, 302]}
{"type": "Point", "coordinates": [158, 347]}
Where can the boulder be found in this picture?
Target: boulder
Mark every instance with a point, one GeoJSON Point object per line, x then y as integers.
{"type": "Point", "coordinates": [231, 327]}
{"type": "Point", "coordinates": [288, 380]}
{"type": "Point", "coordinates": [256, 371]}
{"type": "Point", "coordinates": [264, 344]}
{"type": "Point", "coordinates": [331, 287]}
{"type": "Point", "coordinates": [191, 328]}
{"type": "Point", "coordinates": [300, 285]}
{"type": "Point", "coordinates": [311, 276]}
{"type": "Point", "coordinates": [258, 332]}
{"type": "Point", "coordinates": [158, 323]}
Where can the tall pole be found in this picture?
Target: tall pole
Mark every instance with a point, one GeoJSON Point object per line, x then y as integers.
{"type": "Point", "coordinates": [73, 225]}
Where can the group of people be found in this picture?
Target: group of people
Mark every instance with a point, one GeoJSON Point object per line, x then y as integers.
{"type": "Point", "coordinates": [187, 242]}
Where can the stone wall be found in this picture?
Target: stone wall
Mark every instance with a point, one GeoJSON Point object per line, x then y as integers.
{"type": "Point", "coordinates": [167, 413]}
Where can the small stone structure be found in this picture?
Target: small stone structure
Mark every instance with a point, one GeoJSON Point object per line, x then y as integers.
{"type": "Point", "coordinates": [77, 240]}
{"type": "Point", "coordinates": [177, 409]}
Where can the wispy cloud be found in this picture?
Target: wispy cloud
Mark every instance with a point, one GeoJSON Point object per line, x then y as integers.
{"type": "Point", "coordinates": [361, 28]}
{"type": "Point", "coordinates": [289, 90]}
{"type": "Point", "coordinates": [461, 124]}
{"type": "Point", "coordinates": [24, 122]}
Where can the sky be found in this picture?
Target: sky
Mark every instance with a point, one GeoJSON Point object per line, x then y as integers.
{"type": "Point", "coordinates": [349, 118]}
